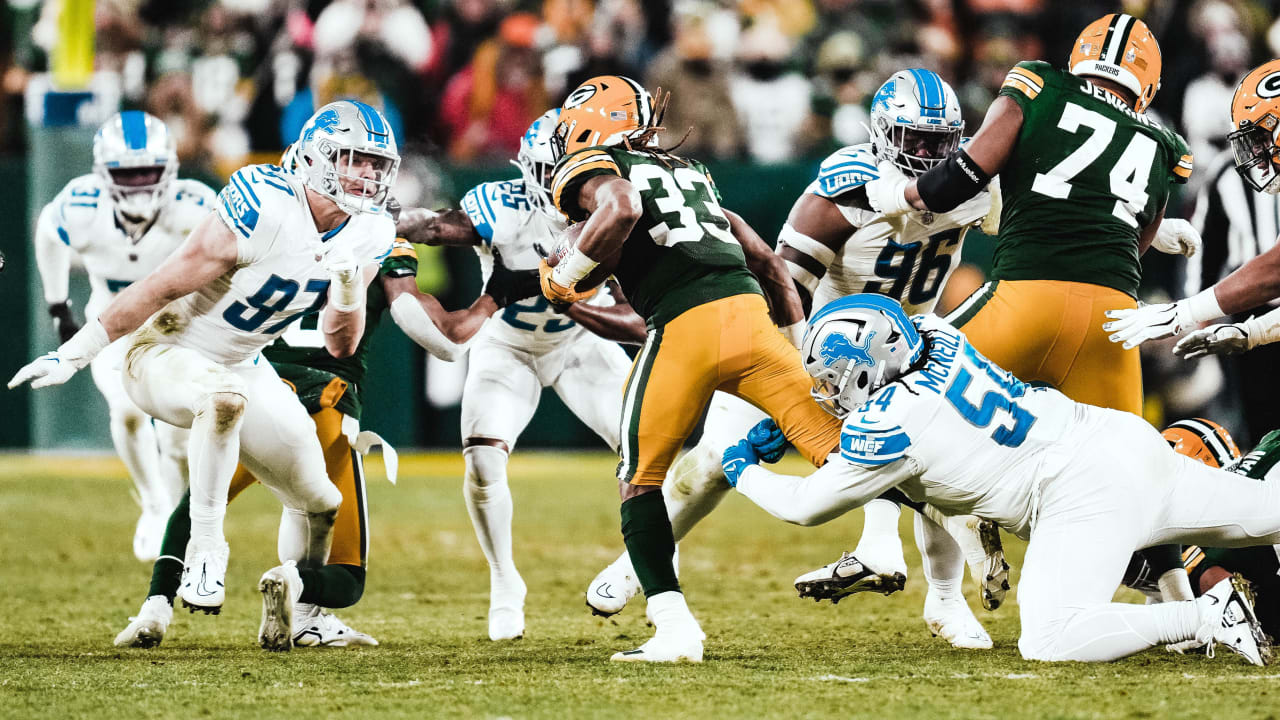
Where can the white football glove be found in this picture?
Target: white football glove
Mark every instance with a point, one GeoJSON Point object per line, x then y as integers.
{"type": "Point", "coordinates": [887, 193]}
{"type": "Point", "coordinates": [345, 289]}
{"type": "Point", "coordinates": [1223, 339]}
{"type": "Point", "coordinates": [1149, 322]}
{"type": "Point", "coordinates": [48, 369]}
{"type": "Point", "coordinates": [1177, 237]}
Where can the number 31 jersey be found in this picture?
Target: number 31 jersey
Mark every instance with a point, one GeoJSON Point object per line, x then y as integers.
{"type": "Point", "coordinates": [279, 275]}
{"type": "Point", "coordinates": [1085, 175]}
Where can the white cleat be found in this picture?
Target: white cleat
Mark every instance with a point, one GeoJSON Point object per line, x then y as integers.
{"type": "Point", "coordinates": [667, 646]}
{"type": "Point", "coordinates": [613, 588]}
{"type": "Point", "coordinates": [313, 626]}
{"type": "Point", "coordinates": [506, 609]}
{"type": "Point", "coordinates": [847, 576]}
{"type": "Point", "coordinates": [953, 621]}
{"type": "Point", "coordinates": [148, 627]}
{"type": "Point", "coordinates": [280, 587]}
{"type": "Point", "coordinates": [148, 536]}
{"type": "Point", "coordinates": [204, 574]}
{"type": "Point", "coordinates": [979, 540]}
{"type": "Point", "coordinates": [1228, 620]}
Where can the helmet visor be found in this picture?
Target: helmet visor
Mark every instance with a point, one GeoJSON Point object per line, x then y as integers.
{"type": "Point", "coordinates": [920, 149]}
{"type": "Point", "coordinates": [1255, 154]}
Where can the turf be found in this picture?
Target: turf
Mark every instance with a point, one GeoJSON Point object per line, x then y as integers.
{"type": "Point", "coordinates": [70, 582]}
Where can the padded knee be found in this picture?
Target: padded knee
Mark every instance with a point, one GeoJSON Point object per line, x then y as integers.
{"type": "Point", "coordinates": [130, 419]}
{"type": "Point", "coordinates": [486, 467]}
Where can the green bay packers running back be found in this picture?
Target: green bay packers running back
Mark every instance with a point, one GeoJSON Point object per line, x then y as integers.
{"type": "Point", "coordinates": [655, 221]}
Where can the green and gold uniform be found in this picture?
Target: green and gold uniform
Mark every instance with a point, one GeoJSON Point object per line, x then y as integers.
{"type": "Point", "coordinates": [709, 327]}
{"type": "Point", "coordinates": [1085, 176]}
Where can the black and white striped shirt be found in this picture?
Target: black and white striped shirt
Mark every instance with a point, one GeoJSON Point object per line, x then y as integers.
{"type": "Point", "coordinates": [1236, 223]}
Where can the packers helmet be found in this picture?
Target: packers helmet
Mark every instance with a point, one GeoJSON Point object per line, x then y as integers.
{"type": "Point", "coordinates": [1255, 122]}
{"type": "Point", "coordinates": [1203, 440]}
{"type": "Point", "coordinates": [605, 110]}
{"type": "Point", "coordinates": [1121, 48]}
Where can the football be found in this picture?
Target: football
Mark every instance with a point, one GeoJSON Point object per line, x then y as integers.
{"type": "Point", "coordinates": [569, 238]}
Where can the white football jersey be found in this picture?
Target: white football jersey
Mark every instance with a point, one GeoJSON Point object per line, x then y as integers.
{"type": "Point", "coordinates": [82, 217]}
{"type": "Point", "coordinates": [279, 276]}
{"type": "Point", "coordinates": [907, 258]}
{"type": "Point", "coordinates": [506, 221]}
{"type": "Point", "coordinates": [976, 433]}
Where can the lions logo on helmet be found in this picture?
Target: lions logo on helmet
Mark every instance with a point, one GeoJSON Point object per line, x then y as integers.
{"type": "Point", "coordinates": [1203, 440]}
{"type": "Point", "coordinates": [915, 121]}
{"type": "Point", "coordinates": [1119, 48]}
{"type": "Point", "coordinates": [856, 345]}
{"type": "Point", "coordinates": [347, 153]}
{"type": "Point", "coordinates": [137, 159]}
{"type": "Point", "coordinates": [1255, 117]}
{"type": "Point", "coordinates": [537, 158]}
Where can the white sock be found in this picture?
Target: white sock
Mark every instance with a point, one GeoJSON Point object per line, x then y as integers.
{"type": "Point", "coordinates": [488, 498]}
{"type": "Point", "coordinates": [1175, 586]}
{"type": "Point", "coordinates": [214, 455]}
{"type": "Point", "coordinates": [941, 557]}
{"type": "Point", "coordinates": [880, 518]}
{"type": "Point", "coordinates": [695, 485]}
{"type": "Point", "coordinates": [304, 537]}
{"type": "Point", "coordinates": [668, 609]}
{"type": "Point", "coordinates": [135, 443]}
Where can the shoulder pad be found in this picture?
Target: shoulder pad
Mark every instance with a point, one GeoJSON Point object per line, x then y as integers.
{"type": "Point", "coordinates": [376, 240]}
{"type": "Point", "coordinates": [1027, 78]}
{"type": "Point", "coordinates": [873, 434]}
{"type": "Point", "coordinates": [1180, 156]}
{"type": "Point", "coordinates": [250, 190]}
{"type": "Point", "coordinates": [844, 170]}
{"type": "Point", "coordinates": [189, 201]}
{"type": "Point", "coordinates": [490, 206]}
{"type": "Point", "coordinates": [575, 167]}
{"type": "Point", "coordinates": [403, 260]}
{"type": "Point", "coordinates": [77, 204]}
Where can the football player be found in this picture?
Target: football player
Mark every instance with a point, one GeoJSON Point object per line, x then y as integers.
{"type": "Point", "coordinates": [834, 245]}
{"type": "Point", "coordinates": [279, 246]}
{"type": "Point", "coordinates": [530, 346]}
{"type": "Point", "coordinates": [1085, 486]}
{"type": "Point", "coordinates": [685, 264]}
{"type": "Point", "coordinates": [1085, 174]}
{"type": "Point", "coordinates": [1255, 139]}
{"type": "Point", "coordinates": [122, 220]}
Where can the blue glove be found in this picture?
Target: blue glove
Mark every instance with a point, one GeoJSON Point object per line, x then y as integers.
{"type": "Point", "coordinates": [736, 459]}
{"type": "Point", "coordinates": [768, 440]}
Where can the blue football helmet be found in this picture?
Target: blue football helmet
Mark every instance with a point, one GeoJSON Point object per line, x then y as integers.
{"type": "Point", "coordinates": [338, 136]}
{"type": "Point", "coordinates": [856, 345]}
{"type": "Point", "coordinates": [137, 159]}
{"type": "Point", "coordinates": [915, 121]}
{"type": "Point", "coordinates": [537, 158]}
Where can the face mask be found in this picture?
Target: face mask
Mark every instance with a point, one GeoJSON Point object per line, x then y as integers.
{"type": "Point", "coordinates": [763, 70]}
{"type": "Point", "coordinates": [697, 68]}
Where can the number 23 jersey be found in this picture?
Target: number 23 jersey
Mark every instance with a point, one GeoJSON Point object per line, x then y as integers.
{"type": "Point", "coordinates": [279, 275]}
{"type": "Point", "coordinates": [1086, 174]}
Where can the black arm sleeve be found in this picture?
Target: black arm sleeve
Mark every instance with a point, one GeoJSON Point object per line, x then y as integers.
{"type": "Point", "coordinates": [955, 180]}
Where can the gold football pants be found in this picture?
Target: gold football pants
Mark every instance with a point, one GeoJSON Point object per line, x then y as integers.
{"type": "Point", "coordinates": [728, 344]}
{"type": "Point", "coordinates": [1050, 332]}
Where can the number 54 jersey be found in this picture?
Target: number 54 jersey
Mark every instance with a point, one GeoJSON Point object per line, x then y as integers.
{"type": "Point", "coordinates": [279, 275]}
{"type": "Point", "coordinates": [1086, 174]}
{"type": "Point", "coordinates": [976, 434]}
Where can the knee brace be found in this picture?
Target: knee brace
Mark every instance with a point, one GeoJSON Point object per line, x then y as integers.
{"type": "Point", "coordinates": [486, 468]}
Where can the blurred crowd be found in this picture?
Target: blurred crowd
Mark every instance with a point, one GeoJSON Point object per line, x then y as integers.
{"type": "Point", "coordinates": [762, 80]}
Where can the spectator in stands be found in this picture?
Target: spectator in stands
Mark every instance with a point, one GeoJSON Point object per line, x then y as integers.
{"type": "Point", "coordinates": [841, 88]}
{"type": "Point", "coordinates": [772, 99]}
{"type": "Point", "coordinates": [699, 88]}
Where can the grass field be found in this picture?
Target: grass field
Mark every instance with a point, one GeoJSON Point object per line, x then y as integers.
{"type": "Point", "coordinates": [69, 583]}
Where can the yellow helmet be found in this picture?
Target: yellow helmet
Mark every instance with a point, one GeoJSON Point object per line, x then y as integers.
{"type": "Point", "coordinates": [1121, 48]}
{"type": "Point", "coordinates": [605, 110]}
{"type": "Point", "coordinates": [1255, 122]}
{"type": "Point", "coordinates": [1203, 440]}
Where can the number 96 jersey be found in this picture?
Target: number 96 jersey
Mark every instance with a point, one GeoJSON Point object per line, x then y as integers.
{"type": "Point", "coordinates": [279, 275]}
{"type": "Point", "coordinates": [907, 258]}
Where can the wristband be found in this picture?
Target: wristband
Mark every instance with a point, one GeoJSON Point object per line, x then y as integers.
{"type": "Point", "coordinates": [572, 268]}
{"type": "Point", "coordinates": [1204, 306]}
{"type": "Point", "coordinates": [85, 344]}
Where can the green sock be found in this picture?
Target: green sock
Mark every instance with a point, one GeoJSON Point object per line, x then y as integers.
{"type": "Point", "coordinates": [166, 573]}
{"type": "Point", "coordinates": [332, 586]}
{"type": "Point", "coordinates": [1162, 558]}
{"type": "Point", "coordinates": [646, 530]}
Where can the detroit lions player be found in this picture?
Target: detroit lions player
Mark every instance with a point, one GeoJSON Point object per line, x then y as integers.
{"type": "Point", "coordinates": [123, 220]}
{"type": "Point", "coordinates": [528, 347]}
{"type": "Point", "coordinates": [1086, 486]}
{"type": "Point", "coordinates": [834, 245]}
{"type": "Point", "coordinates": [280, 246]}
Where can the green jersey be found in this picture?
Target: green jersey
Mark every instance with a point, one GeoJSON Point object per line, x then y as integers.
{"type": "Point", "coordinates": [1086, 174]}
{"type": "Point", "coordinates": [681, 253]}
{"type": "Point", "coordinates": [300, 358]}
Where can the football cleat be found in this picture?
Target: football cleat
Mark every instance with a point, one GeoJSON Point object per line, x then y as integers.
{"type": "Point", "coordinates": [613, 588]}
{"type": "Point", "coordinates": [149, 535]}
{"type": "Point", "coordinates": [989, 570]}
{"type": "Point", "coordinates": [148, 627]}
{"type": "Point", "coordinates": [847, 576]}
{"type": "Point", "coordinates": [204, 574]}
{"type": "Point", "coordinates": [313, 626]}
{"type": "Point", "coordinates": [1232, 623]}
{"type": "Point", "coordinates": [667, 646]}
{"type": "Point", "coordinates": [506, 609]}
{"type": "Point", "coordinates": [280, 587]}
{"type": "Point", "coordinates": [953, 621]}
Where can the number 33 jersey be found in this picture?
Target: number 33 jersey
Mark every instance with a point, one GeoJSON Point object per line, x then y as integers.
{"type": "Point", "coordinates": [907, 258]}
{"type": "Point", "coordinates": [279, 275]}
{"type": "Point", "coordinates": [975, 433]}
{"type": "Point", "coordinates": [1086, 174]}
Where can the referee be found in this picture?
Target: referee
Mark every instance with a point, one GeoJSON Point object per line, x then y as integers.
{"type": "Point", "coordinates": [1238, 224]}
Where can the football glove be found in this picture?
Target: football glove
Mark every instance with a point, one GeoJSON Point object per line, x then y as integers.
{"type": "Point", "coordinates": [887, 193]}
{"type": "Point", "coordinates": [1148, 322]}
{"type": "Point", "coordinates": [737, 458]}
{"type": "Point", "coordinates": [345, 291]}
{"type": "Point", "coordinates": [554, 291]}
{"type": "Point", "coordinates": [48, 369]}
{"type": "Point", "coordinates": [63, 322]}
{"type": "Point", "coordinates": [1223, 339]}
{"type": "Point", "coordinates": [1177, 237]}
{"type": "Point", "coordinates": [507, 286]}
{"type": "Point", "coordinates": [767, 440]}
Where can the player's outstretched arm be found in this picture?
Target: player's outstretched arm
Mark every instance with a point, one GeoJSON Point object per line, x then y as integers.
{"type": "Point", "coordinates": [829, 492]}
{"type": "Point", "coordinates": [771, 270]}
{"type": "Point", "coordinates": [342, 320]}
{"type": "Point", "coordinates": [451, 227]}
{"type": "Point", "coordinates": [443, 333]}
{"type": "Point", "coordinates": [618, 322]}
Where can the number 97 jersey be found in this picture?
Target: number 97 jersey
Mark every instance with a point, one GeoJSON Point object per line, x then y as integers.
{"type": "Point", "coordinates": [1086, 174]}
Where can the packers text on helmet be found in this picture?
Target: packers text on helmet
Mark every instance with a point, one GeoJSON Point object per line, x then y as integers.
{"type": "Point", "coordinates": [1119, 48]}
